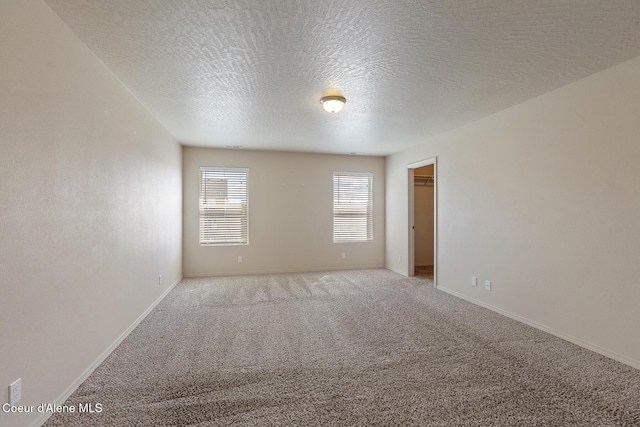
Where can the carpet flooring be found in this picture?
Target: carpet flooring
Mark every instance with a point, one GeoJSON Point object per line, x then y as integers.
{"type": "Point", "coordinates": [346, 348]}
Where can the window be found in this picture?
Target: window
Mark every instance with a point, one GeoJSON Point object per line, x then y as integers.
{"type": "Point", "coordinates": [224, 210]}
{"type": "Point", "coordinates": [352, 207]}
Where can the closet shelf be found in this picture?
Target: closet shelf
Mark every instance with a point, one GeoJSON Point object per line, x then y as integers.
{"type": "Point", "coordinates": [423, 180]}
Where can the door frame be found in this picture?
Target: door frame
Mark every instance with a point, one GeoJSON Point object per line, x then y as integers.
{"type": "Point", "coordinates": [411, 260]}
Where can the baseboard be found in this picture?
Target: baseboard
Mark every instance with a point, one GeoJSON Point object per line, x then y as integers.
{"type": "Point", "coordinates": [396, 271]}
{"type": "Point", "coordinates": [73, 387]}
{"type": "Point", "coordinates": [577, 341]}
{"type": "Point", "coordinates": [285, 271]}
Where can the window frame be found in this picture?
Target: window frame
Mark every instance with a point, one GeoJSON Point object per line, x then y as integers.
{"type": "Point", "coordinates": [242, 194]}
{"type": "Point", "coordinates": [341, 234]}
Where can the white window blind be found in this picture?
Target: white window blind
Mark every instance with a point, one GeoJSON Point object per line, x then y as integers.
{"type": "Point", "coordinates": [224, 208]}
{"type": "Point", "coordinates": [352, 207]}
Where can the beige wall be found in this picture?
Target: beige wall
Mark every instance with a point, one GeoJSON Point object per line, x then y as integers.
{"type": "Point", "coordinates": [91, 208]}
{"type": "Point", "coordinates": [290, 214]}
{"type": "Point", "coordinates": [543, 199]}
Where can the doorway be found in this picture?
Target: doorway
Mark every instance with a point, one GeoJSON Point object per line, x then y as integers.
{"type": "Point", "coordinates": [422, 259]}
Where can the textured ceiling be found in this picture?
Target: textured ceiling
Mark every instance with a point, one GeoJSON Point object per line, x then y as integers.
{"type": "Point", "coordinates": [251, 72]}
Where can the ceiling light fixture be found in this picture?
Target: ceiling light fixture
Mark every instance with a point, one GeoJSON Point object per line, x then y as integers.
{"type": "Point", "coordinates": [333, 103]}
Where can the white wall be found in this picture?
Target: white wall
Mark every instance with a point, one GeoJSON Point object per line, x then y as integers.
{"type": "Point", "coordinates": [90, 212]}
{"type": "Point", "coordinates": [290, 214]}
{"type": "Point", "coordinates": [544, 200]}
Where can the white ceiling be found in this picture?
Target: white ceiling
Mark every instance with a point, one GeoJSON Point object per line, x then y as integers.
{"type": "Point", "coordinates": [251, 72]}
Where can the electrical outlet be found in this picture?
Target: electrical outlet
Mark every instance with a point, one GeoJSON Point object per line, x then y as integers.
{"type": "Point", "coordinates": [399, 257]}
{"type": "Point", "coordinates": [159, 279]}
{"type": "Point", "coordinates": [474, 281]}
{"type": "Point", "coordinates": [343, 255]}
{"type": "Point", "coordinates": [15, 391]}
{"type": "Point", "coordinates": [487, 285]}
{"type": "Point", "coordinates": [240, 258]}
